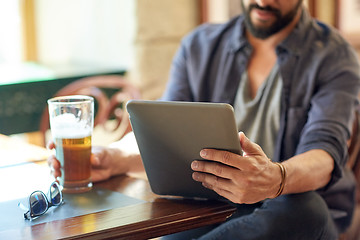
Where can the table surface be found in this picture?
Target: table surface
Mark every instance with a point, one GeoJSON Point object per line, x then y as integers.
{"type": "Point", "coordinates": [13, 151]}
{"type": "Point", "coordinates": [155, 216]}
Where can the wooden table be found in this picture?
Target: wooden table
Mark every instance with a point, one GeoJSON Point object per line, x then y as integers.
{"type": "Point", "coordinates": [153, 217]}
{"type": "Point", "coordinates": [14, 151]}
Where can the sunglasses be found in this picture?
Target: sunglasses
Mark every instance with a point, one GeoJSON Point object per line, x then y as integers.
{"type": "Point", "coordinates": [39, 203]}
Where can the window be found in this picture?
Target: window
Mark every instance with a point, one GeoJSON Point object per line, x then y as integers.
{"type": "Point", "coordinates": [10, 28]}
{"type": "Point", "coordinates": [92, 32]}
{"type": "Point", "coordinates": [89, 32]}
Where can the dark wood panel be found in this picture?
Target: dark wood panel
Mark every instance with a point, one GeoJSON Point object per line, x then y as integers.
{"type": "Point", "coordinates": [21, 104]}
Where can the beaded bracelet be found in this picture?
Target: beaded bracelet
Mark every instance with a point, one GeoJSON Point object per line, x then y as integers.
{"type": "Point", "coordinates": [283, 179]}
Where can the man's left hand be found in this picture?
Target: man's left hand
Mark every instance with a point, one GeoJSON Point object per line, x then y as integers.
{"type": "Point", "coordinates": [241, 179]}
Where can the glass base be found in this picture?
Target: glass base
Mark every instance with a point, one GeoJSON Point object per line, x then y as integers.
{"type": "Point", "coordinates": [77, 187]}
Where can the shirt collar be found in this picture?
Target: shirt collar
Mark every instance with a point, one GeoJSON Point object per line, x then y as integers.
{"type": "Point", "coordinates": [294, 42]}
{"type": "Point", "coordinates": [238, 39]}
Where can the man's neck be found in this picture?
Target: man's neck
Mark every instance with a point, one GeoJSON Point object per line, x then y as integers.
{"type": "Point", "coordinates": [274, 40]}
{"type": "Point", "coordinates": [263, 57]}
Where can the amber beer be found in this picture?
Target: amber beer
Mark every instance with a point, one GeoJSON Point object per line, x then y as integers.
{"type": "Point", "coordinates": [71, 124]}
{"type": "Point", "coordinates": [74, 156]}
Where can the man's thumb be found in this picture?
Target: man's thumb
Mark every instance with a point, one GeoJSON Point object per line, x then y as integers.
{"type": "Point", "coordinates": [247, 146]}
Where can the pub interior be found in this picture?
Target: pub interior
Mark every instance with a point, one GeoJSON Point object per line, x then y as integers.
{"type": "Point", "coordinates": [47, 45]}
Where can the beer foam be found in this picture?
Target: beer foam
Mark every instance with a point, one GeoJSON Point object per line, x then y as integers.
{"type": "Point", "coordinates": [67, 126]}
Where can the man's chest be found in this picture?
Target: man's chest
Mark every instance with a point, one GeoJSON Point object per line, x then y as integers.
{"type": "Point", "coordinates": [258, 69]}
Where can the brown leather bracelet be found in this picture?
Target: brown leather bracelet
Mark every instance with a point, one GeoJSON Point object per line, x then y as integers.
{"type": "Point", "coordinates": [283, 179]}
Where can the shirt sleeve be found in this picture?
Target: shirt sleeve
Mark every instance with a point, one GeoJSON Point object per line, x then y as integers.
{"type": "Point", "coordinates": [178, 86]}
{"type": "Point", "coordinates": [332, 108]}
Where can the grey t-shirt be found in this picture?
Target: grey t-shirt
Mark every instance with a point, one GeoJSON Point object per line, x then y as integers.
{"type": "Point", "coordinates": [259, 117]}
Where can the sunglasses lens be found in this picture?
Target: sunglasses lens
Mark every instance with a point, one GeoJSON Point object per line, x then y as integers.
{"type": "Point", "coordinates": [38, 203]}
{"type": "Point", "coordinates": [55, 194]}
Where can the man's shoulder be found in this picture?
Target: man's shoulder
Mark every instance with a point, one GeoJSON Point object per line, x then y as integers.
{"type": "Point", "coordinates": [315, 37]}
{"type": "Point", "coordinates": [330, 37]}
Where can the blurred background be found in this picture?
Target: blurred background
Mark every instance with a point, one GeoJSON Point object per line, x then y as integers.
{"type": "Point", "coordinates": [54, 42]}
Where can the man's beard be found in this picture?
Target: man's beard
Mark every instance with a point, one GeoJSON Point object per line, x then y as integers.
{"type": "Point", "coordinates": [280, 21]}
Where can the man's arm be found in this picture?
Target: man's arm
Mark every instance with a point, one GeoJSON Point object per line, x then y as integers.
{"type": "Point", "coordinates": [253, 177]}
{"type": "Point", "coordinates": [126, 156]}
{"type": "Point", "coordinates": [308, 171]}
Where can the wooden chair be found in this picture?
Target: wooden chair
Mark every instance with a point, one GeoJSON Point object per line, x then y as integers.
{"type": "Point", "coordinates": [353, 233]}
{"type": "Point", "coordinates": [112, 107]}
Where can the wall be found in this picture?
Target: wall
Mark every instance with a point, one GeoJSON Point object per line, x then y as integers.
{"type": "Point", "coordinates": [326, 11]}
{"type": "Point", "coordinates": [345, 16]}
{"type": "Point", "coordinates": [220, 11]}
{"type": "Point", "coordinates": [87, 32]}
{"type": "Point", "coordinates": [138, 35]}
{"type": "Point", "coordinates": [160, 26]}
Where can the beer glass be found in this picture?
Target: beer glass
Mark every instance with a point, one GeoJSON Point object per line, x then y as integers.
{"type": "Point", "coordinates": [71, 124]}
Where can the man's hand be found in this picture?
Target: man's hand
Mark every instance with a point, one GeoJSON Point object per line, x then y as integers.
{"type": "Point", "coordinates": [105, 162]}
{"type": "Point", "coordinates": [241, 179]}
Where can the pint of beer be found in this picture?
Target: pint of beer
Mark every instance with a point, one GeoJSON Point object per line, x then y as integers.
{"type": "Point", "coordinates": [71, 124]}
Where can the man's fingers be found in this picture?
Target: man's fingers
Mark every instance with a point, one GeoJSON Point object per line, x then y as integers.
{"type": "Point", "coordinates": [225, 157]}
{"type": "Point", "coordinates": [50, 160]}
{"type": "Point", "coordinates": [50, 145]}
{"type": "Point", "coordinates": [249, 147]}
{"type": "Point", "coordinates": [223, 187]}
{"type": "Point", "coordinates": [95, 160]}
{"type": "Point", "coordinates": [54, 166]}
{"type": "Point", "coordinates": [214, 168]}
{"type": "Point", "coordinates": [211, 181]}
{"type": "Point", "coordinates": [97, 156]}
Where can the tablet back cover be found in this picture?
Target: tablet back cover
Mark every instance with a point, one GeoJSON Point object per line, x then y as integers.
{"type": "Point", "coordinates": [170, 136]}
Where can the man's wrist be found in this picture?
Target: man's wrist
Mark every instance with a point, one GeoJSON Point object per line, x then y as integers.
{"type": "Point", "coordinates": [283, 179]}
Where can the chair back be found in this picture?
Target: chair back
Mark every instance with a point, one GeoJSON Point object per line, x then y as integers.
{"type": "Point", "coordinates": [353, 232]}
{"type": "Point", "coordinates": [107, 107]}
{"type": "Point", "coordinates": [354, 152]}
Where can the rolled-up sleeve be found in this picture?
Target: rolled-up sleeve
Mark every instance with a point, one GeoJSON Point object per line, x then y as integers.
{"type": "Point", "coordinates": [332, 108]}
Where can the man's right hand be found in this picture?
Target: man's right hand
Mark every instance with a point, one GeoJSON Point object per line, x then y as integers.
{"type": "Point", "coordinates": [105, 162]}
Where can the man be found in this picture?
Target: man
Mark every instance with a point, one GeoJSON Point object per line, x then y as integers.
{"type": "Point", "coordinates": [293, 83]}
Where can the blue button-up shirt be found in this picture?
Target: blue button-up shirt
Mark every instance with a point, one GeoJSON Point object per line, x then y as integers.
{"type": "Point", "coordinates": [320, 74]}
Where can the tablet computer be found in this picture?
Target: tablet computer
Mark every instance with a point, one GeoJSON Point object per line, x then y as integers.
{"type": "Point", "coordinates": [170, 136]}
